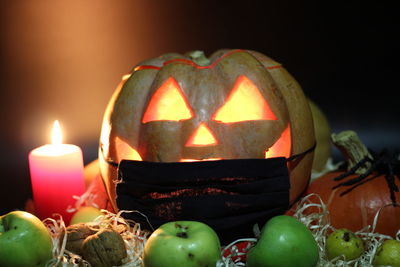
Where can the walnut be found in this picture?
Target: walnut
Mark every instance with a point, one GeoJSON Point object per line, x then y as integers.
{"type": "Point", "coordinates": [76, 234]}
{"type": "Point", "coordinates": [105, 248]}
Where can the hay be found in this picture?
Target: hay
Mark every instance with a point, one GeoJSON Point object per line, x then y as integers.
{"type": "Point", "coordinates": [130, 232]}
{"type": "Point", "coordinates": [319, 224]}
{"type": "Point", "coordinates": [135, 238]}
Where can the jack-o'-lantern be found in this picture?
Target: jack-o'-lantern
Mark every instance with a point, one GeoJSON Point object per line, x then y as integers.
{"type": "Point", "coordinates": [237, 104]}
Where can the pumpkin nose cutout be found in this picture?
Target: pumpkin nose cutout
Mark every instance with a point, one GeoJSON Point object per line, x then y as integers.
{"type": "Point", "coordinates": [202, 136]}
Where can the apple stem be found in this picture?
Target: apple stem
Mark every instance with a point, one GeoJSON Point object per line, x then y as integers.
{"type": "Point", "coordinates": [346, 236]}
{"type": "Point", "coordinates": [182, 230]}
{"type": "Point", "coordinates": [3, 226]}
{"type": "Point", "coordinates": [182, 235]}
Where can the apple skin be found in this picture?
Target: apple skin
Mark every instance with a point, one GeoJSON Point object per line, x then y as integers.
{"type": "Point", "coordinates": [182, 243]}
{"type": "Point", "coordinates": [85, 214]}
{"type": "Point", "coordinates": [344, 242]}
{"type": "Point", "coordinates": [284, 242]}
{"type": "Point", "coordinates": [388, 254]}
{"type": "Point", "coordinates": [24, 240]}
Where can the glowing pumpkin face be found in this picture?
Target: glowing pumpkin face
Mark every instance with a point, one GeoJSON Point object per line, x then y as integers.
{"type": "Point", "coordinates": [245, 103]}
{"type": "Point", "coordinates": [238, 104]}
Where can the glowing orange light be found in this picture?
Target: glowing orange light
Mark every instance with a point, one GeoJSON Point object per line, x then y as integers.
{"type": "Point", "coordinates": [202, 136]}
{"type": "Point", "coordinates": [245, 103]}
{"type": "Point", "coordinates": [282, 146]}
{"type": "Point", "coordinates": [168, 104]}
{"type": "Point", "coordinates": [194, 160]}
{"type": "Point", "coordinates": [126, 76]}
{"type": "Point", "coordinates": [125, 151]}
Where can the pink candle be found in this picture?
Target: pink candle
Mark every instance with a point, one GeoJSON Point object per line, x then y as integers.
{"type": "Point", "coordinates": [56, 174]}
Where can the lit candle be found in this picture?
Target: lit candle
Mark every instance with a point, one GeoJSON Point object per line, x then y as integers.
{"type": "Point", "coordinates": [56, 174]}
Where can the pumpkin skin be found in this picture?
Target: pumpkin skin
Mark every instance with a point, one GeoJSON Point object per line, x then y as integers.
{"type": "Point", "coordinates": [205, 88]}
{"type": "Point", "coordinates": [323, 133]}
{"type": "Point", "coordinates": [356, 209]}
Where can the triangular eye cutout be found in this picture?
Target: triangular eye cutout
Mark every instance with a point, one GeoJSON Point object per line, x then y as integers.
{"type": "Point", "coordinates": [202, 136]}
{"type": "Point", "coordinates": [125, 151]}
{"type": "Point", "coordinates": [282, 146]}
{"type": "Point", "coordinates": [168, 103]}
{"type": "Point", "coordinates": [244, 103]}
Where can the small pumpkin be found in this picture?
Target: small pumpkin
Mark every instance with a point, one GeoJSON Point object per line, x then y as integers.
{"type": "Point", "coordinates": [355, 206]}
{"type": "Point", "coordinates": [323, 133]}
{"type": "Point", "coordinates": [237, 104]}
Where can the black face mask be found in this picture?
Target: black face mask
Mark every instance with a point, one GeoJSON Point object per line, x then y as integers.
{"type": "Point", "coordinates": [228, 195]}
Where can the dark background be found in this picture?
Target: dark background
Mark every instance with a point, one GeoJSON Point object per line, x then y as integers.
{"type": "Point", "coordinates": [63, 59]}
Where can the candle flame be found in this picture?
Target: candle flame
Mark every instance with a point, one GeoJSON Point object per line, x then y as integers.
{"type": "Point", "coordinates": [56, 136]}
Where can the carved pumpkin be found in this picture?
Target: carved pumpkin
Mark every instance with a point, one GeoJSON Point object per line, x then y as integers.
{"type": "Point", "coordinates": [237, 104]}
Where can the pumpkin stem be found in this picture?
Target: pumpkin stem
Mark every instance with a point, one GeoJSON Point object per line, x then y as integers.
{"type": "Point", "coordinates": [199, 58]}
{"type": "Point", "coordinates": [353, 149]}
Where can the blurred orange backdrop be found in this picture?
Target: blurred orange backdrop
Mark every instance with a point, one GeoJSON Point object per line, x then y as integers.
{"type": "Point", "coordinates": [64, 59]}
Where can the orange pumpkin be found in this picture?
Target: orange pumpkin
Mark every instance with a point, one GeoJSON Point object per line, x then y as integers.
{"type": "Point", "coordinates": [237, 104]}
{"type": "Point", "coordinates": [355, 206]}
{"type": "Point", "coordinates": [356, 209]}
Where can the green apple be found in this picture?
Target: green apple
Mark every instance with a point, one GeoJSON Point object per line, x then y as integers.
{"type": "Point", "coordinates": [24, 240]}
{"type": "Point", "coordinates": [284, 242]}
{"type": "Point", "coordinates": [182, 243]}
{"type": "Point", "coordinates": [85, 214]}
{"type": "Point", "coordinates": [343, 242]}
{"type": "Point", "coordinates": [388, 254]}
